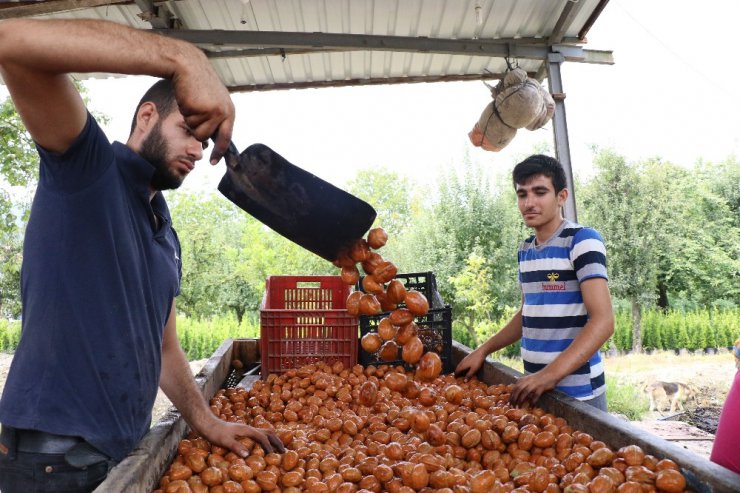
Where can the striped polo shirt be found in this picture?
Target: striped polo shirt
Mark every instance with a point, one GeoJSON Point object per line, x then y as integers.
{"type": "Point", "coordinates": [553, 313]}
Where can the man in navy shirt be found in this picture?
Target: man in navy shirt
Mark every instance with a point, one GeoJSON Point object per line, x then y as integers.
{"type": "Point", "coordinates": [101, 265]}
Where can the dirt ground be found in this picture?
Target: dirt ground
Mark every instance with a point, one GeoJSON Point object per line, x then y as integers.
{"type": "Point", "coordinates": [710, 375]}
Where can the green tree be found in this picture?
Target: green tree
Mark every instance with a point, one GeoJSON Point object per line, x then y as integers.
{"type": "Point", "coordinates": [389, 193]}
{"type": "Point", "coordinates": [203, 223]}
{"type": "Point", "coordinates": [258, 254]}
{"type": "Point", "coordinates": [697, 254]}
{"type": "Point", "coordinates": [617, 204]}
{"type": "Point", "coordinates": [227, 256]}
{"type": "Point", "coordinates": [723, 178]}
{"type": "Point", "coordinates": [469, 235]}
{"type": "Point", "coordinates": [392, 197]}
{"type": "Point", "coordinates": [18, 158]}
{"type": "Point", "coordinates": [18, 175]}
{"type": "Point", "coordinates": [473, 291]}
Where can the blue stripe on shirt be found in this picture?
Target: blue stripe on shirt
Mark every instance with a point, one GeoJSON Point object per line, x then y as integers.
{"type": "Point", "coordinates": [553, 298]}
{"type": "Point", "coordinates": [546, 252]}
{"type": "Point", "coordinates": [576, 390]}
{"type": "Point", "coordinates": [581, 234]}
{"type": "Point", "coordinates": [549, 346]}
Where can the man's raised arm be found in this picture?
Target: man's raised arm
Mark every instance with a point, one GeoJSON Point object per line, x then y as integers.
{"type": "Point", "coordinates": [37, 55]}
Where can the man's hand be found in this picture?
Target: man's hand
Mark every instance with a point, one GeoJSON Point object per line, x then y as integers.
{"type": "Point", "coordinates": [470, 364]}
{"type": "Point", "coordinates": [227, 435]}
{"type": "Point", "coordinates": [531, 387]}
{"type": "Point", "coordinates": [206, 105]}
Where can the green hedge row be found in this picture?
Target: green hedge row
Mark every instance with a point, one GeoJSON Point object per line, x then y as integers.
{"type": "Point", "coordinates": [675, 329]}
{"type": "Point", "coordinates": [10, 335]}
{"type": "Point", "coordinates": [679, 329]}
{"type": "Point", "coordinates": [199, 339]}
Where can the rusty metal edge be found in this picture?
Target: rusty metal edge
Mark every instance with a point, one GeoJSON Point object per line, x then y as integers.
{"type": "Point", "coordinates": [702, 475]}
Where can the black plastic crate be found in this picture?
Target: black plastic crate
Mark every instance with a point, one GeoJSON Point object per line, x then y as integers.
{"type": "Point", "coordinates": [424, 282]}
{"type": "Point", "coordinates": [435, 332]}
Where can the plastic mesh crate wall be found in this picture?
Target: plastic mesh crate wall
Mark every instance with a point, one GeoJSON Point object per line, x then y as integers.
{"type": "Point", "coordinates": [435, 332]}
{"type": "Point", "coordinates": [303, 319]}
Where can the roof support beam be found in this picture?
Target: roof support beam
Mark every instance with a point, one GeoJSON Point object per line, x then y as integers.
{"type": "Point", "coordinates": [211, 40]}
{"type": "Point", "coordinates": [569, 13]}
{"type": "Point", "coordinates": [363, 82]}
{"type": "Point", "coordinates": [560, 131]}
{"type": "Point", "coordinates": [52, 7]}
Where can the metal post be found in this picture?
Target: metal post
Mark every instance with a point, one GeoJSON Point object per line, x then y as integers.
{"type": "Point", "coordinates": [560, 130]}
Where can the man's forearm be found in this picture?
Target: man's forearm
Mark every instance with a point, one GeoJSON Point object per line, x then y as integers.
{"type": "Point", "coordinates": [176, 379]}
{"type": "Point", "coordinates": [179, 386]}
{"type": "Point", "coordinates": [63, 46]}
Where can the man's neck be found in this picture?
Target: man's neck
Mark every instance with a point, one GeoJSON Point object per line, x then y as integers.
{"type": "Point", "coordinates": [545, 232]}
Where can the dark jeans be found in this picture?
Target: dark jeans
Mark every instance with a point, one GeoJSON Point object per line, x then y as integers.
{"type": "Point", "coordinates": [599, 402]}
{"type": "Point", "coordinates": [27, 472]}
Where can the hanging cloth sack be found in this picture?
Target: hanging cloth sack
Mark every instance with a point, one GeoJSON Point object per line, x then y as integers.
{"type": "Point", "coordinates": [546, 111]}
{"type": "Point", "coordinates": [490, 133]}
{"type": "Point", "coordinates": [519, 104]}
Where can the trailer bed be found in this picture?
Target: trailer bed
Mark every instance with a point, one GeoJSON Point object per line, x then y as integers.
{"type": "Point", "coordinates": [142, 469]}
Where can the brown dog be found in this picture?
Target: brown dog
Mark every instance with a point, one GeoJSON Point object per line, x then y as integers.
{"type": "Point", "coordinates": [673, 393]}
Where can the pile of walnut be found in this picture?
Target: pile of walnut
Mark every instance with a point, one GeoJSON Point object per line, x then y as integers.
{"type": "Point", "coordinates": [378, 429]}
{"type": "Point", "coordinates": [383, 293]}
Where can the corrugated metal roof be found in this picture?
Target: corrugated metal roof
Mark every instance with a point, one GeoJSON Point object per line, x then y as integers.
{"type": "Point", "coordinates": [376, 41]}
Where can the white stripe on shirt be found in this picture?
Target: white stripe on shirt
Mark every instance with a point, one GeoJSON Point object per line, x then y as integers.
{"type": "Point", "coordinates": [548, 264]}
{"type": "Point", "coordinates": [569, 310]}
{"type": "Point", "coordinates": [589, 245]}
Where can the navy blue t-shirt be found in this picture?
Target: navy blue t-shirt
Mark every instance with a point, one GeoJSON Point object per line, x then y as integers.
{"type": "Point", "coordinates": [99, 277]}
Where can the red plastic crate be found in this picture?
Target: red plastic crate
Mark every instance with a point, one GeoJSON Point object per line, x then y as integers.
{"type": "Point", "coordinates": [303, 319]}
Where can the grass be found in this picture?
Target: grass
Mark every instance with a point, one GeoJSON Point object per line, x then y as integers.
{"type": "Point", "coordinates": [626, 399]}
{"type": "Point", "coordinates": [10, 334]}
{"type": "Point", "coordinates": [513, 363]}
{"type": "Point", "coordinates": [630, 363]}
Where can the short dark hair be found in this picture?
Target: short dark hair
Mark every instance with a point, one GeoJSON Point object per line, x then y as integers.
{"type": "Point", "coordinates": [539, 164]}
{"type": "Point", "coordinates": [162, 94]}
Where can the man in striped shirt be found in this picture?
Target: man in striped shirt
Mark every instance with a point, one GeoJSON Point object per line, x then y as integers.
{"type": "Point", "coordinates": [566, 313]}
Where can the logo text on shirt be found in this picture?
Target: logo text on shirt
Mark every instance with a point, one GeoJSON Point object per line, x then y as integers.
{"type": "Point", "coordinates": [553, 285]}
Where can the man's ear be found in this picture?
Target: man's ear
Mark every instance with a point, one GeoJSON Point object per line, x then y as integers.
{"type": "Point", "coordinates": [562, 197]}
{"type": "Point", "coordinates": [146, 117]}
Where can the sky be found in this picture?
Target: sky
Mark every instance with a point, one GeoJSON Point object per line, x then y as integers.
{"type": "Point", "coordinates": [668, 95]}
